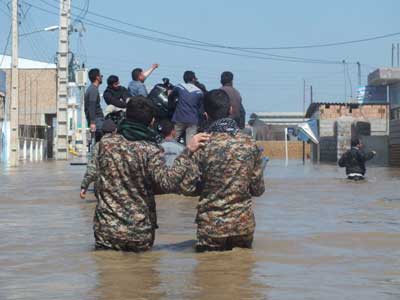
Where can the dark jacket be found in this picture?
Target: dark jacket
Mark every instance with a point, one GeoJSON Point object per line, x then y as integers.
{"type": "Point", "coordinates": [354, 161]}
{"type": "Point", "coordinates": [238, 112]}
{"type": "Point", "coordinates": [116, 97]}
{"type": "Point", "coordinates": [189, 105]}
{"type": "Point", "coordinates": [93, 109]}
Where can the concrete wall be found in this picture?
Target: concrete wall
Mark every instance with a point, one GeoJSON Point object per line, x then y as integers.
{"type": "Point", "coordinates": [380, 145]}
{"type": "Point", "coordinates": [37, 94]}
{"type": "Point", "coordinates": [394, 138]}
{"type": "Point", "coordinates": [276, 149]}
{"type": "Point", "coordinates": [394, 143]}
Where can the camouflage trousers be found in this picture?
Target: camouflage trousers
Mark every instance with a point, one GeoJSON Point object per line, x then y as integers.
{"type": "Point", "coordinates": [207, 243]}
{"type": "Point", "coordinates": [107, 243]}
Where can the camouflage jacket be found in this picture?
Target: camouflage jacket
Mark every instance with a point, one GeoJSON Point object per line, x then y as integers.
{"type": "Point", "coordinates": [128, 174]}
{"type": "Point", "coordinates": [91, 173]}
{"type": "Point", "coordinates": [230, 172]}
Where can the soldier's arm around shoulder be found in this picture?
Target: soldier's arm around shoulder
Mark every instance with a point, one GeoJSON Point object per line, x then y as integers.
{"type": "Point", "coordinates": [167, 179]}
{"type": "Point", "coordinates": [257, 185]}
{"type": "Point", "coordinates": [91, 169]}
{"type": "Point", "coordinates": [189, 186]}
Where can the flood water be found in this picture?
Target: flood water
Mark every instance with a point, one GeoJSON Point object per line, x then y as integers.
{"type": "Point", "coordinates": [317, 237]}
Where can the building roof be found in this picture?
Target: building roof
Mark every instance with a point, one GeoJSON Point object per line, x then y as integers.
{"type": "Point", "coordinates": [24, 63]}
{"type": "Point", "coordinates": [384, 76]}
{"type": "Point", "coordinates": [315, 105]}
{"type": "Point", "coordinates": [278, 118]}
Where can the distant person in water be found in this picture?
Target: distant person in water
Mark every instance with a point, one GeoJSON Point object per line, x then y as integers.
{"type": "Point", "coordinates": [354, 160]}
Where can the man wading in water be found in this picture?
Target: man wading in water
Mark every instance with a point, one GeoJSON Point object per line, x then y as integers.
{"type": "Point", "coordinates": [230, 171]}
{"type": "Point", "coordinates": [131, 169]}
{"type": "Point", "coordinates": [354, 160]}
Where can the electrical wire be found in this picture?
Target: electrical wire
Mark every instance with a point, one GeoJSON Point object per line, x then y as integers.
{"type": "Point", "coordinates": [321, 45]}
{"type": "Point", "coordinates": [201, 46]}
{"type": "Point", "coordinates": [6, 46]}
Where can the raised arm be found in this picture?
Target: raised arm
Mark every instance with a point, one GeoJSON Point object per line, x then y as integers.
{"type": "Point", "coordinates": [368, 156]}
{"type": "Point", "coordinates": [148, 72]}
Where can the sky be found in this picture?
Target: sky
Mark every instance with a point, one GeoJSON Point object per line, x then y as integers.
{"type": "Point", "coordinates": [266, 85]}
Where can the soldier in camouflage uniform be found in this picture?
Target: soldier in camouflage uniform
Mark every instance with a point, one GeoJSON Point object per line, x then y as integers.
{"type": "Point", "coordinates": [230, 172]}
{"type": "Point", "coordinates": [130, 170]}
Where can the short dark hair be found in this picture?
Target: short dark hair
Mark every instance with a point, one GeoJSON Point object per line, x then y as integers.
{"type": "Point", "coordinates": [166, 127]}
{"type": "Point", "coordinates": [217, 104]}
{"type": "Point", "coordinates": [189, 76]}
{"type": "Point", "coordinates": [226, 78]}
{"type": "Point", "coordinates": [140, 110]}
{"type": "Point", "coordinates": [136, 73]}
{"type": "Point", "coordinates": [355, 141]}
{"type": "Point", "coordinates": [93, 73]}
{"type": "Point", "coordinates": [112, 79]}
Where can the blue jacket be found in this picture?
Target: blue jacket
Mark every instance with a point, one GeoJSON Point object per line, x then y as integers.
{"type": "Point", "coordinates": [190, 103]}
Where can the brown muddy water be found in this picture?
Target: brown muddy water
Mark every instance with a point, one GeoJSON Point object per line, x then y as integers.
{"type": "Point", "coordinates": [318, 237]}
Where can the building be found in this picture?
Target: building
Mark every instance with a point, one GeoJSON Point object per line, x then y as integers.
{"type": "Point", "coordinates": [339, 122]}
{"type": "Point", "coordinates": [271, 125]}
{"type": "Point", "coordinates": [269, 130]}
{"type": "Point", "coordinates": [389, 80]}
{"type": "Point", "coordinates": [2, 109]}
{"type": "Point", "coordinates": [37, 102]}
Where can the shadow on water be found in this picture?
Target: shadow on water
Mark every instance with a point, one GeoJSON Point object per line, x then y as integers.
{"type": "Point", "coordinates": [186, 246]}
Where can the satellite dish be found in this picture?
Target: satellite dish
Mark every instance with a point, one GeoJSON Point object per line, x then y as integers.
{"type": "Point", "coordinates": [306, 129]}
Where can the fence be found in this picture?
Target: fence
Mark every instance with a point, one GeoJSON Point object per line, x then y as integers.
{"type": "Point", "coordinates": [276, 149]}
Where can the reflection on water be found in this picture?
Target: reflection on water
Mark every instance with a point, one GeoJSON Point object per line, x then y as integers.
{"type": "Point", "coordinates": [318, 236]}
{"type": "Point", "coordinates": [127, 275]}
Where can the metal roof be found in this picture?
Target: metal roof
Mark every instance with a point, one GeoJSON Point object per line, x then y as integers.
{"type": "Point", "coordinates": [24, 63]}
{"type": "Point", "coordinates": [278, 118]}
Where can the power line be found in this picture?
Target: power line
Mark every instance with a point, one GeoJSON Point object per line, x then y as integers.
{"type": "Point", "coordinates": [331, 44]}
{"type": "Point", "coordinates": [198, 45]}
{"type": "Point", "coordinates": [6, 46]}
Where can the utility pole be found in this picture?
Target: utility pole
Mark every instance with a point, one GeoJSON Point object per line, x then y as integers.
{"type": "Point", "coordinates": [345, 80]}
{"type": "Point", "coordinates": [81, 80]}
{"type": "Point", "coordinates": [311, 94]}
{"type": "Point", "coordinates": [398, 55]}
{"type": "Point", "coordinates": [359, 73]}
{"type": "Point", "coordinates": [393, 55]}
{"type": "Point", "coordinates": [62, 72]}
{"type": "Point", "coordinates": [304, 96]}
{"type": "Point", "coordinates": [304, 118]}
{"type": "Point", "coordinates": [14, 115]}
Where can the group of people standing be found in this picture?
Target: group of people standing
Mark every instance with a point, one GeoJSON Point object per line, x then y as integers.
{"type": "Point", "coordinates": [221, 164]}
{"type": "Point", "coordinates": [185, 100]}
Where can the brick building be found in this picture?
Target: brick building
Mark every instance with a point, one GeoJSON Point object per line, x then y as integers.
{"type": "Point", "coordinates": [338, 122]}
{"type": "Point", "coordinates": [37, 103]}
